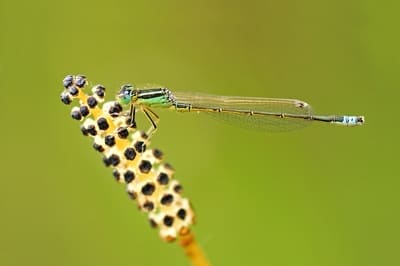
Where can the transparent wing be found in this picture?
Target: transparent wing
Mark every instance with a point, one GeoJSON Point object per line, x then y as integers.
{"type": "Point", "coordinates": [268, 114]}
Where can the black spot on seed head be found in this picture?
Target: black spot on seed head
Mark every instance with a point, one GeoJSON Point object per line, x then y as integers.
{"type": "Point", "coordinates": [163, 178]}
{"type": "Point", "coordinates": [167, 199]}
{"type": "Point", "coordinates": [65, 98]}
{"type": "Point", "coordinates": [67, 81]}
{"type": "Point", "coordinates": [178, 188]}
{"type": "Point", "coordinates": [123, 132]}
{"type": "Point", "coordinates": [114, 159]}
{"type": "Point", "coordinates": [168, 220]}
{"type": "Point", "coordinates": [92, 102]}
{"type": "Point", "coordinates": [102, 123]}
{"type": "Point", "coordinates": [116, 174]}
{"type": "Point", "coordinates": [109, 140]}
{"type": "Point", "coordinates": [129, 176]}
{"type": "Point", "coordinates": [181, 214]}
{"type": "Point", "coordinates": [84, 110]}
{"type": "Point", "coordinates": [106, 161]}
{"type": "Point", "coordinates": [74, 91]}
{"type": "Point", "coordinates": [153, 224]}
{"type": "Point", "coordinates": [145, 166]}
{"type": "Point", "coordinates": [132, 195]}
{"type": "Point", "coordinates": [140, 146]}
{"type": "Point", "coordinates": [168, 166]}
{"type": "Point", "coordinates": [144, 135]}
{"type": "Point", "coordinates": [158, 154]}
{"type": "Point", "coordinates": [148, 205]}
{"type": "Point", "coordinates": [148, 189]}
{"type": "Point", "coordinates": [130, 153]}
{"type": "Point", "coordinates": [98, 147]}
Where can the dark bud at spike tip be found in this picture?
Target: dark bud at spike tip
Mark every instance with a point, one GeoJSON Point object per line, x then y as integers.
{"type": "Point", "coordinates": [76, 115]}
{"type": "Point", "coordinates": [80, 81]}
{"type": "Point", "coordinates": [92, 102]}
{"type": "Point", "coordinates": [91, 129]}
{"type": "Point", "coordinates": [84, 130]}
{"type": "Point", "coordinates": [112, 111]}
{"type": "Point", "coordinates": [100, 94]}
{"type": "Point", "coordinates": [65, 98]}
{"type": "Point", "coordinates": [112, 160]}
{"type": "Point", "coordinates": [99, 90]}
{"type": "Point", "coordinates": [102, 123]}
{"type": "Point", "coordinates": [74, 91]}
{"type": "Point", "coordinates": [68, 80]}
{"type": "Point", "coordinates": [84, 110]}
{"type": "Point", "coordinates": [115, 109]}
{"type": "Point", "coordinates": [118, 106]}
{"type": "Point", "coordinates": [106, 161]}
{"type": "Point", "coordinates": [98, 147]}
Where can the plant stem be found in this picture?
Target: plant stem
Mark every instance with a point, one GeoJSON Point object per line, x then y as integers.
{"type": "Point", "coordinates": [193, 250]}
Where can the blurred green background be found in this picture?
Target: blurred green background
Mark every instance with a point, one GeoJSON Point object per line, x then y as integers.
{"type": "Point", "coordinates": [324, 195]}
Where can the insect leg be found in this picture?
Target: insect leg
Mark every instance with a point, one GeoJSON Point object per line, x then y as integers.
{"type": "Point", "coordinates": [153, 117]}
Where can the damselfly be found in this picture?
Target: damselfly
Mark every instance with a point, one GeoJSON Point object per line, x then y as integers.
{"type": "Point", "coordinates": [270, 114]}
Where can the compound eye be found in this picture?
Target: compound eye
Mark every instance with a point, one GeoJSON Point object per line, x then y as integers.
{"type": "Point", "coordinates": [125, 94]}
{"type": "Point", "coordinates": [126, 89]}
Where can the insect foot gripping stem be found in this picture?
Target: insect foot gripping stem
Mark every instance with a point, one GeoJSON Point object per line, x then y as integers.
{"type": "Point", "coordinates": [148, 179]}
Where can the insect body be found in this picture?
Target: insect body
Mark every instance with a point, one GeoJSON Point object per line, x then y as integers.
{"type": "Point", "coordinates": [270, 114]}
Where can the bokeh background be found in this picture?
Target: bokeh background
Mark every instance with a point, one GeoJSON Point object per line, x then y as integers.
{"type": "Point", "coordinates": [323, 195]}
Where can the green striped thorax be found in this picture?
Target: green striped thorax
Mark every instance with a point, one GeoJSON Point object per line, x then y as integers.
{"type": "Point", "coordinates": [160, 97]}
